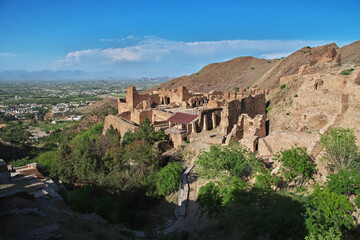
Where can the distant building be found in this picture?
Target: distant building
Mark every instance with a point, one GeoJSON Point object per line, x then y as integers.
{"type": "Point", "coordinates": [75, 118]}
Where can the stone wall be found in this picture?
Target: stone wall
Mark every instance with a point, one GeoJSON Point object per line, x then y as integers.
{"type": "Point", "coordinates": [133, 99]}
{"type": "Point", "coordinates": [248, 130]}
{"type": "Point", "coordinates": [176, 138]}
{"type": "Point", "coordinates": [125, 115]}
{"type": "Point", "coordinates": [122, 105]}
{"type": "Point", "coordinates": [170, 96]}
{"type": "Point", "coordinates": [213, 104]}
{"type": "Point", "coordinates": [233, 110]}
{"type": "Point", "coordinates": [209, 119]}
{"type": "Point", "coordinates": [138, 116]}
{"type": "Point", "coordinates": [120, 124]}
{"type": "Point", "coordinates": [160, 116]}
{"type": "Point", "coordinates": [253, 126]}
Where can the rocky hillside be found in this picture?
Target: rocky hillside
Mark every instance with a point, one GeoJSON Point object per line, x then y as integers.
{"type": "Point", "coordinates": [319, 96]}
{"type": "Point", "coordinates": [244, 72]}
{"type": "Point", "coordinates": [322, 90]}
{"type": "Point", "coordinates": [350, 53]}
{"type": "Point", "coordinates": [241, 72]}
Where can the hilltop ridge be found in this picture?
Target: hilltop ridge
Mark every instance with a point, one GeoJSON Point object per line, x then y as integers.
{"type": "Point", "coordinates": [246, 72]}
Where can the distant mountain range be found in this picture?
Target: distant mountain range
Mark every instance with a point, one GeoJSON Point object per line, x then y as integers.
{"type": "Point", "coordinates": [157, 79]}
{"type": "Point", "coordinates": [48, 75]}
{"type": "Point", "coordinates": [65, 75]}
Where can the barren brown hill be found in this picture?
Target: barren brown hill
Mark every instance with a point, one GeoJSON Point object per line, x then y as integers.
{"type": "Point", "coordinates": [350, 53]}
{"type": "Point", "coordinates": [241, 72]}
{"type": "Point", "coordinates": [245, 72]}
{"type": "Point", "coordinates": [314, 59]}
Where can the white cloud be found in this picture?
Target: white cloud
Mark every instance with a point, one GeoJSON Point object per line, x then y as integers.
{"type": "Point", "coordinates": [8, 54]}
{"type": "Point", "coordinates": [275, 55]}
{"type": "Point", "coordinates": [150, 50]}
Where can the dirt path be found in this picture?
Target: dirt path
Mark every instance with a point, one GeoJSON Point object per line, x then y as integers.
{"type": "Point", "coordinates": [192, 222]}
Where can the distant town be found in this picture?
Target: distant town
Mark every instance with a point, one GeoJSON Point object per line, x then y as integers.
{"type": "Point", "coordinates": [42, 107]}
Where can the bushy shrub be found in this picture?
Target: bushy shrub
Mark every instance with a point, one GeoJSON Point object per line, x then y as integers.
{"type": "Point", "coordinates": [265, 180]}
{"type": "Point", "coordinates": [20, 162]}
{"type": "Point", "coordinates": [347, 71]}
{"type": "Point", "coordinates": [268, 109]}
{"type": "Point", "coordinates": [163, 182]}
{"type": "Point", "coordinates": [168, 178]}
{"type": "Point", "coordinates": [283, 86]}
{"type": "Point", "coordinates": [346, 182]}
{"type": "Point", "coordinates": [326, 210]}
{"type": "Point", "coordinates": [210, 200]}
{"type": "Point", "coordinates": [233, 159]}
{"type": "Point", "coordinates": [331, 234]}
{"type": "Point", "coordinates": [341, 151]}
{"type": "Point", "coordinates": [45, 159]}
{"type": "Point", "coordinates": [296, 165]}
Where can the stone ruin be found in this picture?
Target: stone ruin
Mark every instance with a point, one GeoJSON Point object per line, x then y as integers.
{"type": "Point", "coordinates": [229, 116]}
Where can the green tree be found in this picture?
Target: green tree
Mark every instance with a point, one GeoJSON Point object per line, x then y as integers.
{"type": "Point", "coordinates": [326, 209]}
{"type": "Point", "coordinates": [210, 200]}
{"type": "Point", "coordinates": [296, 165]}
{"type": "Point", "coordinates": [15, 133]}
{"type": "Point", "coordinates": [143, 153]}
{"type": "Point", "coordinates": [341, 151]}
{"type": "Point", "coordinates": [62, 166]}
{"type": "Point", "coordinates": [233, 159]}
{"type": "Point", "coordinates": [85, 158]}
{"type": "Point", "coordinates": [331, 234]}
{"type": "Point", "coordinates": [128, 138]}
{"type": "Point", "coordinates": [236, 89]}
{"type": "Point", "coordinates": [265, 180]}
{"type": "Point", "coordinates": [168, 178]}
{"type": "Point", "coordinates": [346, 182]}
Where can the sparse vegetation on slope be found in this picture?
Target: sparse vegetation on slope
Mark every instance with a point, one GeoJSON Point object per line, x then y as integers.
{"type": "Point", "coordinates": [347, 71]}
{"type": "Point", "coordinates": [241, 72]}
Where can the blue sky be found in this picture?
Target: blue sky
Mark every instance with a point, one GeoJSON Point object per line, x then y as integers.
{"type": "Point", "coordinates": [155, 38]}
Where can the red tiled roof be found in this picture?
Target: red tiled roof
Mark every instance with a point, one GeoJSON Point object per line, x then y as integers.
{"type": "Point", "coordinates": [182, 118]}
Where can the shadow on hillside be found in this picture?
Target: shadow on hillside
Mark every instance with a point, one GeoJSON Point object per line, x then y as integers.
{"type": "Point", "coordinates": [257, 214]}
{"type": "Point", "coordinates": [10, 152]}
{"type": "Point", "coordinates": [192, 177]}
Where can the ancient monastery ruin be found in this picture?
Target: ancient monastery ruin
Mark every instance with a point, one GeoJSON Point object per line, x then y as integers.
{"type": "Point", "coordinates": [227, 116]}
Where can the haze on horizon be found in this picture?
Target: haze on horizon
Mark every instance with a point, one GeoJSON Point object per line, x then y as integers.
{"type": "Point", "coordinates": [158, 38]}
